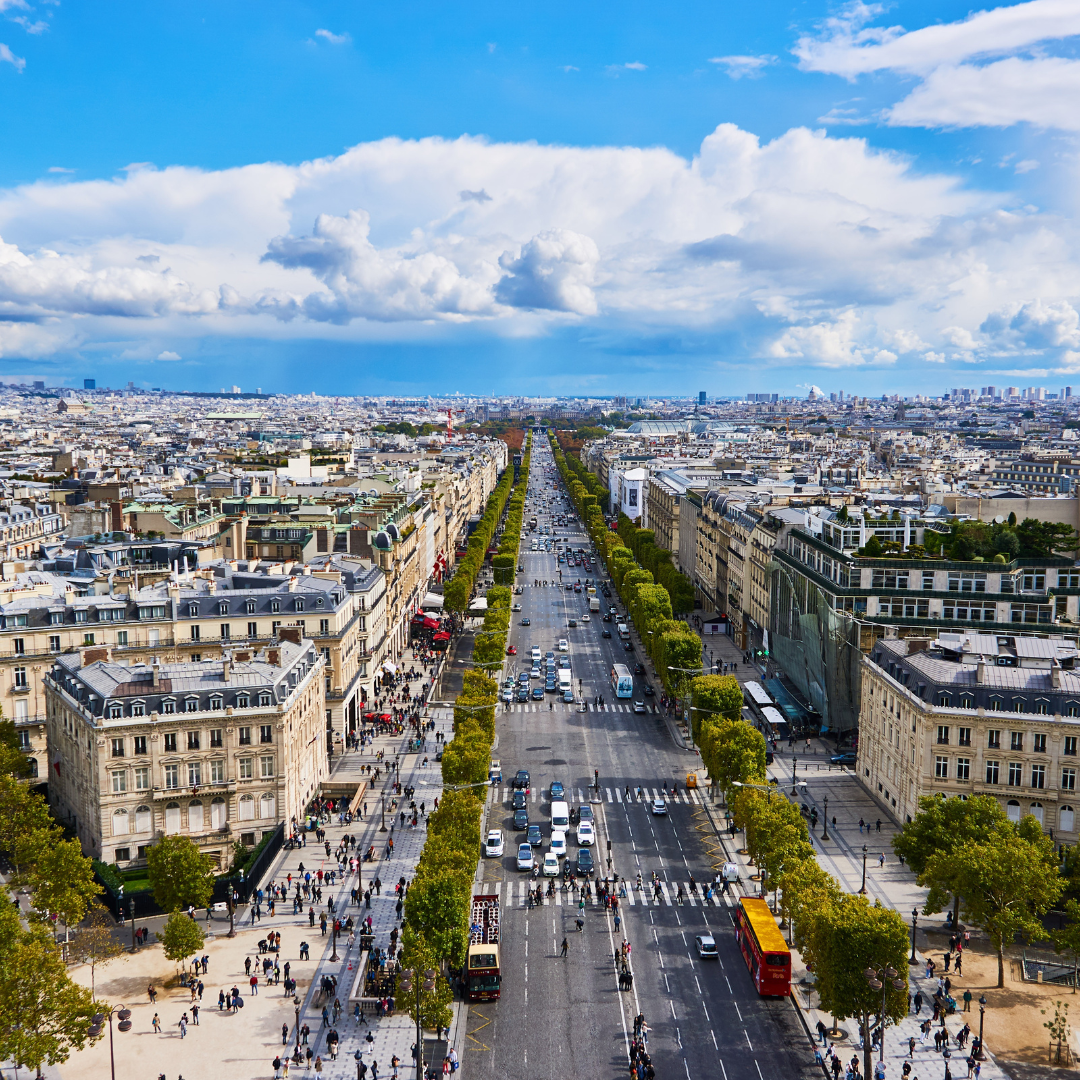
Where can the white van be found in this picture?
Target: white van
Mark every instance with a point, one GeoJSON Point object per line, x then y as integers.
{"type": "Point", "coordinates": [560, 816]}
{"type": "Point", "coordinates": [536, 654]}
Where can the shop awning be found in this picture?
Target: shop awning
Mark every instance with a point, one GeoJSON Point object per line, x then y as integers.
{"type": "Point", "coordinates": [389, 667]}
{"type": "Point", "coordinates": [432, 600]}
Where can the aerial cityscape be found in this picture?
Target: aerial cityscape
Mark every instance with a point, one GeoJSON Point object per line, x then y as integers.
{"type": "Point", "coordinates": [539, 543]}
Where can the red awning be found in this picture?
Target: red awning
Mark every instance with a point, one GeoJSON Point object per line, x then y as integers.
{"type": "Point", "coordinates": [431, 623]}
{"type": "Point", "coordinates": [444, 636]}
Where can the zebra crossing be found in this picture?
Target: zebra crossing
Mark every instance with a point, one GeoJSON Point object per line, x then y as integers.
{"type": "Point", "coordinates": [517, 895]}
{"type": "Point", "coordinates": [688, 797]}
{"type": "Point", "coordinates": [542, 706]}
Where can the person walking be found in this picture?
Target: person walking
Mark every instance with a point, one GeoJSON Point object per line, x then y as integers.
{"type": "Point", "coordinates": [157, 1023]}
{"type": "Point", "coordinates": [565, 946]}
{"type": "Point", "coordinates": [284, 1033]}
{"type": "Point", "coordinates": [183, 1025]}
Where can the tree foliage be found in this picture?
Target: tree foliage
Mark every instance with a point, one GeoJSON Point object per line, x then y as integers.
{"type": "Point", "coordinates": [95, 943]}
{"type": "Point", "coordinates": [62, 883]}
{"type": "Point", "coordinates": [181, 938]}
{"type": "Point", "coordinates": [180, 874]}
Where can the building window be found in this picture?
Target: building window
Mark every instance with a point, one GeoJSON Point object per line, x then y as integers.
{"type": "Point", "coordinates": [223, 607]}
{"type": "Point", "coordinates": [245, 736]}
{"type": "Point", "coordinates": [1068, 779]}
{"type": "Point", "coordinates": [264, 700]}
{"type": "Point", "coordinates": [119, 781]}
{"type": "Point", "coordinates": [1042, 708]}
{"type": "Point", "coordinates": [1040, 743]}
{"type": "Point", "coordinates": [1066, 819]}
{"type": "Point", "coordinates": [144, 820]}
{"type": "Point", "coordinates": [275, 606]}
{"type": "Point", "coordinates": [118, 748]}
{"type": "Point", "coordinates": [993, 740]}
{"type": "Point", "coordinates": [266, 733]}
{"type": "Point", "coordinates": [944, 701]}
{"type": "Point", "coordinates": [116, 710]}
{"type": "Point", "coordinates": [242, 701]}
{"type": "Point", "coordinates": [140, 744]}
{"type": "Point", "coordinates": [20, 646]}
{"type": "Point", "coordinates": [226, 632]}
{"type": "Point", "coordinates": [172, 776]}
{"type": "Point", "coordinates": [967, 703]}
{"type": "Point", "coordinates": [249, 606]}
{"type": "Point", "coordinates": [193, 610]}
{"type": "Point", "coordinates": [253, 629]}
{"type": "Point", "coordinates": [191, 704]}
{"type": "Point", "coordinates": [195, 632]}
{"type": "Point", "coordinates": [123, 854]}
{"type": "Point", "coordinates": [216, 702]}
{"type": "Point", "coordinates": [138, 708]}
{"type": "Point", "coordinates": [246, 771]}
{"type": "Point", "coordinates": [995, 704]}
{"type": "Point", "coordinates": [942, 735]}
{"type": "Point", "coordinates": [21, 679]}
{"type": "Point", "coordinates": [122, 639]}
{"type": "Point", "coordinates": [324, 626]}
{"type": "Point", "coordinates": [195, 657]}
{"type": "Point", "coordinates": [266, 768]}
{"type": "Point", "coordinates": [193, 740]}
{"type": "Point", "coordinates": [1038, 776]}
{"type": "Point", "coordinates": [1016, 741]}
{"type": "Point", "coordinates": [168, 705]}
{"type": "Point", "coordinates": [941, 768]}
{"type": "Point", "coordinates": [993, 772]}
{"type": "Point", "coordinates": [299, 604]}
{"type": "Point", "coordinates": [217, 772]}
{"type": "Point", "coordinates": [1016, 774]}
{"type": "Point", "coordinates": [54, 643]}
{"type": "Point", "coordinates": [1070, 745]}
{"type": "Point", "coordinates": [963, 768]}
{"type": "Point", "coordinates": [194, 773]}
{"type": "Point", "coordinates": [215, 737]}
{"type": "Point", "coordinates": [120, 822]}
{"type": "Point", "coordinates": [142, 779]}
{"type": "Point", "coordinates": [963, 736]}
{"type": "Point", "coordinates": [170, 743]}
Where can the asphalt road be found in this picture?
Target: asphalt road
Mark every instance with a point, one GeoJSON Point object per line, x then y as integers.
{"type": "Point", "coordinates": [566, 1017]}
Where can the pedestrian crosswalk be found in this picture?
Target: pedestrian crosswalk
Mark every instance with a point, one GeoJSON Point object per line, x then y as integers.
{"type": "Point", "coordinates": [688, 797]}
{"type": "Point", "coordinates": [515, 894]}
{"type": "Point", "coordinates": [545, 706]}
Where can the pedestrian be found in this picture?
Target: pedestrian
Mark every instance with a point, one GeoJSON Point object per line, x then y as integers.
{"type": "Point", "coordinates": [183, 1025]}
{"type": "Point", "coordinates": [881, 859]}
{"type": "Point", "coordinates": [151, 993]}
{"type": "Point", "coordinates": [565, 946]}
{"type": "Point", "coordinates": [861, 823]}
{"type": "Point", "coordinates": [967, 1001]}
{"type": "Point", "coordinates": [195, 1015]}
{"type": "Point", "coordinates": [157, 1023]}
{"type": "Point", "coordinates": [221, 1000]}
{"type": "Point", "coordinates": [959, 962]}
{"type": "Point", "coordinates": [284, 1032]}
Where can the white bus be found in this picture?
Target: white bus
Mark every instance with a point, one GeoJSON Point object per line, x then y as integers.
{"type": "Point", "coordinates": [622, 682]}
{"type": "Point", "coordinates": [756, 698]}
{"type": "Point", "coordinates": [774, 725]}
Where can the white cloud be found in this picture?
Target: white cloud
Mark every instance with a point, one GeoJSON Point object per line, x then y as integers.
{"type": "Point", "coordinates": [168, 354]}
{"type": "Point", "coordinates": [491, 46]}
{"type": "Point", "coordinates": [344, 38]}
{"type": "Point", "coordinates": [8, 57]}
{"type": "Point", "coordinates": [970, 70]}
{"type": "Point", "coordinates": [810, 249]}
{"type": "Point", "coordinates": [1026, 166]}
{"type": "Point", "coordinates": [569, 67]}
{"type": "Point", "coordinates": [633, 65]}
{"type": "Point", "coordinates": [845, 117]}
{"type": "Point", "coordinates": [37, 27]}
{"type": "Point", "coordinates": [59, 169]}
{"type": "Point", "coordinates": [553, 272]}
{"type": "Point", "coordinates": [738, 66]}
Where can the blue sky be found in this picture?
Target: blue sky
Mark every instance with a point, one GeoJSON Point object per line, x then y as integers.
{"type": "Point", "coordinates": [628, 198]}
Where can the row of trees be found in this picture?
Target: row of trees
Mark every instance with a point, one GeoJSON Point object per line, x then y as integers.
{"type": "Point", "coordinates": [674, 649]}
{"type": "Point", "coordinates": [459, 588]}
{"type": "Point", "coordinates": [840, 936]}
{"type": "Point", "coordinates": [657, 560]}
{"type": "Point", "coordinates": [438, 906]}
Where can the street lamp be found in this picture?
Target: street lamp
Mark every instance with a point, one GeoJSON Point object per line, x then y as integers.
{"type": "Point", "coordinates": [825, 831]}
{"type": "Point", "coordinates": [296, 1010]}
{"type": "Point", "coordinates": [131, 912]}
{"type": "Point", "coordinates": [123, 1014]}
{"type": "Point", "coordinates": [880, 979]}
{"type": "Point", "coordinates": [982, 1013]}
{"type": "Point", "coordinates": [334, 958]}
{"type": "Point", "coordinates": [794, 771]}
{"type": "Point", "coordinates": [408, 980]}
{"type": "Point", "coordinates": [914, 926]}
{"type": "Point", "coordinates": [862, 889]}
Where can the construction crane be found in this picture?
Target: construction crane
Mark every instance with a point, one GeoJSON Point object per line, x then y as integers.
{"type": "Point", "coordinates": [450, 420]}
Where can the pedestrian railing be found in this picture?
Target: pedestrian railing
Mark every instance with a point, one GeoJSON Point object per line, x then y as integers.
{"type": "Point", "coordinates": [1047, 969]}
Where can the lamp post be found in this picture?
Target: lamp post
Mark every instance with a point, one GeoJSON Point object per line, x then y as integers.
{"type": "Point", "coordinates": [97, 1024]}
{"type": "Point", "coordinates": [131, 912]}
{"type": "Point", "coordinates": [982, 1013]}
{"type": "Point", "coordinates": [409, 980]}
{"type": "Point", "coordinates": [825, 831]}
{"type": "Point", "coordinates": [880, 979]}
{"type": "Point", "coordinates": [862, 888]}
{"type": "Point", "coordinates": [794, 772]}
{"type": "Point", "coordinates": [296, 1011]}
{"type": "Point", "coordinates": [914, 926]}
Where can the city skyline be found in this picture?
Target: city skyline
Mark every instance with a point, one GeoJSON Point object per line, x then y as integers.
{"type": "Point", "coordinates": [749, 202]}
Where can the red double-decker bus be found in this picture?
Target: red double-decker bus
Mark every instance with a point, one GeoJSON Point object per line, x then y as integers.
{"type": "Point", "coordinates": [763, 947]}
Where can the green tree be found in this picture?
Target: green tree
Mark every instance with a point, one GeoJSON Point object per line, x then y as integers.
{"type": "Point", "coordinates": [715, 695]}
{"type": "Point", "coordinates": [43, 1014]}
{"type": "Point", "coordinates": [13, 761]}
{"type": "Point", "coordinates": [181, 938]}
{"type": "Point", "coordinates": [732, 751]}
{"type": "Point", "coordinates": [62, 882]}
{"type": "Point", "coordinates": [95, 943]}
{"type": "Point", "coordinates": [419, 957]}
{"type": "Point", "coordinates": [438, 906]}
{"type": "Point", "coordinates": [27, 829]}
{"type": "Point", "coordinates": [1067, 938]}
{"type": "Point", "coordinates": [848, 937]}
{"type": "Point", "coordinates": [180, 874]}
{"type": "Point", "coordinates": [1006, 884]}
{"type": "Point", "coordinates": [805, 889]}
{"type": "Point", "coordinates": [943, 827]}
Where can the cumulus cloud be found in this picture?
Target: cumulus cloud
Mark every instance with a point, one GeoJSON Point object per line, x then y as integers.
{"type": "Point", "coordinates": [334, 39]}
{"type": "Point", "coordinates": [809, 249]}
{"type": "Point", "coordinates": [553, 272]}
{"type": "Point", "coordinates": [168, 354]}
{"type": "Point", "coordinates": [738, 66]}
{"type": "Point", "coordinates": [988, 69]}
{"type": "Point", "coordinates": [8, 57]}
{"type": "Point", "coordinates": [633, 65]}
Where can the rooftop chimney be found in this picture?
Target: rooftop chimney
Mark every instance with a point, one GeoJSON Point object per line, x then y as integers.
{"type": "Point", "coordinates": [273, 656]}
{"type": "Point", "coordinates": [980, 671]}
{"type": "Point", "coordinates": [1055, 674]}
{"type": "Point", "coordinates": [155, 675]}
{"type": "Point", "coordinates": [290, 633]}
{"type": "Point", "coordinates": [226, 668]}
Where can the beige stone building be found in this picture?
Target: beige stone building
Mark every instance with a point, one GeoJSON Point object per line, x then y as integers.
{"type": "Point", "coordinates": [216, 751]}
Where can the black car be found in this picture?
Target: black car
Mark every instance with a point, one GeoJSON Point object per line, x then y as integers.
{"type": "Point", "coordinates": [521, 780]}
{"type": "Point", "coordinates": [519, 798]}
{"type": "Point", "coordinates": [648, 690]}
{"type": "Point", "coordinates": [607, 617]}
{"type": "Point", "coordinates": [585, 865]}
{"type": "Point", "coordinates": [521, 820]}
{"type": "Point", "coordinates": [627, 646]}
{"type": "Point", "coordinates": [639, 669]}
{"type": "Point", "coordinates": [605, 632]}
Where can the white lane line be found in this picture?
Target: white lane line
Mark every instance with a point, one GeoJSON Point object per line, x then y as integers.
{"type": "Point", "coordinates": [746, 1034]}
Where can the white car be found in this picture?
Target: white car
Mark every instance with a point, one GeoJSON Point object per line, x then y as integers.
{"type": "Point", "coordinates": [515, 607]}
{"type": "Point", "coordinates": [564, 645]}
{"type": "Point", "coordinates": [525, 857]}
{"type": "Point", "coordinates": [585, 617]}
{"type": "Point", "coordinates": [508, 696]}
{"type": "Point", "coordinates": [551, 865]}
{"type": "Point", "coordinates": [659, 807]}
{"type": "Point", "coordinates": [585, 834]}
{"type": "Point", "coordinates": [494, 846]}
{"type": "Point", "coordinates": [706, 947]}
{"type": "Point", "coordinates": [558, 843]}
